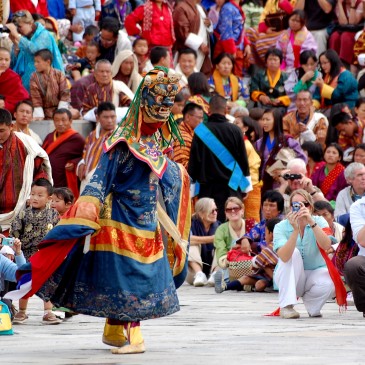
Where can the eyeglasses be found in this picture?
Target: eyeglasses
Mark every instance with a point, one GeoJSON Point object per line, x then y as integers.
{"type": "Point", "coordinates": [215, 210]}
{"type": "Point", "coordinates": [233, 210]}
{"type": "Point", "coordinates": [20, 14]}
{"type": "Point", "coordinates": [200, 117]}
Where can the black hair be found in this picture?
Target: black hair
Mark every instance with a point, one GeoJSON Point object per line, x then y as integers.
{"type": "Point", "coordinates": [44, 54]}
{"type": "Point", "coordinates": [334, 60]}
{"type": "Point", "coordinates": [65, 194]}
{"type": "Point", "coordinates": [217, 104]}
{"type": "Point", "coordinates": [273, 196]}
{"type": "Point", "coordinates": [93, 44]}
{"type": "Point", "coordinates": [5, 117]}
{"type": "Point", "coordinates": [271, 223]}
{"type": "Point", "coordinates": [110, 24]}
{"type": "Point", "coordinates": [274, 52]}
{"type": "Point", "coordinates": [323, 204]}
{"type": "Point", "coordinates": [359, 101]}
{"type": "Point", "coordinates": [63, 111]}
{"type": "Point", "coordinates": [304, 57]}
{"type": "Point", "coordinates": [314, 150]}
{"type": "Point", "coordinates": [338, 148]}
{"type": "Point", "coordinates": [188, 51]}
{"type": "Point", "coordinates": [301, 14]}
{"type": "Point", "coordinates": [252, 126]}
{"type": "Point", "coordinates": [91, 30]}
{"type": "Point", "coordinates": [256, 113]}
{"type": "Point", "coordinates": [26, 101]}
{"type": "Point", "coordinates": [37, 17]}
{"type": "Point", "coordinates": [278, 128]}
{"type": "Point", "coordinates": [360, 146]}
{"type": "Point", "coordinates": [137, 40]}
{"type": "Point", "coordinates": [179, 97]}
{"type": "Point", "coordinates": [42, 182]}
{"type": "Point", "coordinates": [157, 53]}
{"type": "Point", "coordinates": [198, 84]}
{"type": "Point", "coordinates": [190, 107]}
{"type": "Point", "coordinates": [104, 106]}
{"type": "Point", "coordinates": [222, 55]}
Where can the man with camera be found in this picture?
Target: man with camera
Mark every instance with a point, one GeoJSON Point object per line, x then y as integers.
{"type": "Point", "coordinates": [294, 178]}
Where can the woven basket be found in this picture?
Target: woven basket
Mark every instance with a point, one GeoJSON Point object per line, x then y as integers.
{"type": "Point", "coordinates": [237, 269]}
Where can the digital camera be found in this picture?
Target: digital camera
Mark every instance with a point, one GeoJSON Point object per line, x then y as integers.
{"type": "Point", "coordinates": [6, 241]}
{"type": "Point", "coordinates": [295, 206]}
{"type": "Point", "coordinates": [292, 176]}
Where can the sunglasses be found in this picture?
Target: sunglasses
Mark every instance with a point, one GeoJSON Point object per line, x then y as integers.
{"type": "Point", "coordinates": [233, 210]}
{"type": "Point", "coordinates": [215, 210]}
{"type": "Point", "coordinates": [20, 14]}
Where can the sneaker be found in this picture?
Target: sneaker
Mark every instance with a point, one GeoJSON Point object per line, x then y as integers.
{"type": "Point", "coordinates": [318, 315]}
{"type": "Point", "coordinates": [350, 299]}
{"type": "Point", "coordinates": [289, 312]}
{"type": "Point", "coordinates": [247, 288]}
{"type": "Point", "coordinates": [219, 283]}
{"type": "Point", "coordinates": [20, 317]}
{"type": "Point", "coordinates": [50, 318]}
{"type": "Point", "coordinates": [200, 279]}
{"type": "Point", "coordinates": [211, 281]}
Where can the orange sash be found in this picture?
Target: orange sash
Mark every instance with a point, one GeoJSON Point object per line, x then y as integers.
{"type": "Point", "coordinates": [333, 83]}
{"type": "Point", "coordinates": [219, 88]}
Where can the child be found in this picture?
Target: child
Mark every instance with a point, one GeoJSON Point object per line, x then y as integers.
{"type": "Point", "coordinates": [83, 66]}
{"type": "Point", "coordinates": [62, 199]}
{"type": "Point", "coordinates": [140, 49]}
{"type": "Point", "coordinates": [91, 31]}
{"type": "Point", "coordinates": [49, 89]}
{"type": "Point", "coordinates": [178, 107]}
{"type": "Point", "coordinates": [30, 226]}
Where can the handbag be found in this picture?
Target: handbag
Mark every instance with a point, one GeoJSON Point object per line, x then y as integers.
{"type": "Point", "coordinates": [278, 21]}
{"type": "Point", "coordinates": [239, 264]}
{"type": "Point", "coordinates": [5, 321]}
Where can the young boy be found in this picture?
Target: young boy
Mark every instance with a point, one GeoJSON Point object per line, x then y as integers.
{"type": "Point", "coordinates": [62, 199]}
{"type": "Point", "coordinates": [91, 31]}
{"type": "Point", "coordinates": [30, 226]}
{"type": "Point", "coordinates": [49, 89]}
{"type": "Point", "coordinates": [85, 65]}
{"type": "Point", "coordinates": [140, 49]}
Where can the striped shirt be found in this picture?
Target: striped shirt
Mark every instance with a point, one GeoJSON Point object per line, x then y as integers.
{"type": "Point", "coordinates": [182, 153]}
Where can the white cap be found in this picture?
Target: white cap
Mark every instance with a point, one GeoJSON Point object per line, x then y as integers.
{"type": "Point", "coordinates": [6, 250]}
{"type": "Point", "coordinates": [361, 59]}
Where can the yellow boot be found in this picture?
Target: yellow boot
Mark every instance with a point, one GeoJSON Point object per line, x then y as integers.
{"type": "Point", "coordinates": [135, 344]}
{"type": "Point", "coordinates": [114, 335]}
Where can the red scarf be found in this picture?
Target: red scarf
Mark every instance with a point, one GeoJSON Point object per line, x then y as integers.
{"type": "Point", "coordinates": [331, 178]}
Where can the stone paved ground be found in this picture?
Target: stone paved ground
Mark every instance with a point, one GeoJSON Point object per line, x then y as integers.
{"type": "Point", "coordinates": [211, 329]}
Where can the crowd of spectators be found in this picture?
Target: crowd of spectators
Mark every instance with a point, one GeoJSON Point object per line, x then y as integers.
{"type": "Point", "coordinates": [277, 83]}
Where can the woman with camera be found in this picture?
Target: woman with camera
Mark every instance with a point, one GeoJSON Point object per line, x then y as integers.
{"type": "Point", "coordinates": [304, 269]}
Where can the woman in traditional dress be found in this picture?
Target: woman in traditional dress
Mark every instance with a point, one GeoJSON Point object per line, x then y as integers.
{"type": "Point", "coordinates": [265, 37]}
{"type": "Point", "coordinates": [337, 86]}
{"type": "Point", "coordinates": [330, 178]}
{"type": "Point", "coordinates": [199, 91]}
{"type": "Point", "coordinates": [295, 40]}
{"type": "Point", "coordinates": [223, 81]}
{"type": "Point", "coordinates": [272, 141]}
{"type": "Point", "coordinates": [125, 69]}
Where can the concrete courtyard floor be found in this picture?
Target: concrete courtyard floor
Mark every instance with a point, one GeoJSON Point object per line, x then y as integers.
{"type": "Point", "coordinates": [224, 329]}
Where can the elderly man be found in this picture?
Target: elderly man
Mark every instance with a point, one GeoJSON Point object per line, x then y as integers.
{"type": "Point", "coordinates": [106, 89]}
{"type": "Point", "coordinates": [355, 176]}
{"type": "Point", "coordinates": [64, 147]}
{"type": "Point", "coordinates": [193, 115]}
{"type": "Point", "coordinates": [294, 178]}
{"type": "Point", "coordinates": [303, 123]}
{"type": "Point", "coordinates": [21, 162]}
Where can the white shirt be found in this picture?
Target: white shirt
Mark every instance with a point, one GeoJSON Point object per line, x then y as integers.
{"type": "Point", "coordinates": [357, 218]}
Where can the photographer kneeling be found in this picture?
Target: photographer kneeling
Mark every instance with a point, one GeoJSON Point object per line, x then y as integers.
{"type": "Point", "coordinates": [304, 269]}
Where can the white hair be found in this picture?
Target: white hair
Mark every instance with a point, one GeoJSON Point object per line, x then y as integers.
{"type": "Point", "coordinates": [351, 169]}
{"type": "Point", "coordinates": [296, 162]}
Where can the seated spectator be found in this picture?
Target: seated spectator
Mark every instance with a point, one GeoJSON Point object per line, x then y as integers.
{"type": "Point", "coordinates": [83, 66]}
{"type": "Point", "coordinates": [186, 65]}
{"type": "Point", "coordinates": [294, 178]}
{"type": "Point", "coordinates": [91, 31]}
{"type": "Point", "coordinates": [271, 143]}
{"type": "Point", "coordinates": [11, 87]}
{"type": "Point", "coordinates": [78, 90]}
{"type": "Point", "coordinates": [238, 110]}
{"type": "Point", "coordinates": [295, 40]}
{"type": "Point", "coordinates": [125, 69]}
{"type": "Point", "coordinates": [106, 89]}
{"type": "Point", "coordinates": [354, 271]}
{"type": "Point", "coordinates": [229, 232]}
{"type": "Point", "coordinates": [330, 178]}
{"type": "Point", "coordinates": [350, 129]}
{"type": "Point", "coordinates": [267, 86]}
{"type": "Point", "coordinates": [303, 77]}
{"type": "Point", "coordinates": [264, 36]}
{"type": "Point", "coordinates": [355, 177]}
{"type": "Point", "coordinates": [303, 123]}
{"type": "Point", "coordinates": [203, 227]}
{"type": "Point", "coordinates": [337, 86]}
{"type": "Point", "coordinates": [301, 270]}
{"type": "Point", "coordinates": [272, 207]}
{"type": "Point", "coordinates": [23, 116]}
{"type": "Point", "coordinates": [359, 153]}
{"type": "Point", "coordinates": [314, 152]}
{"type": "Point", "coordinates": [349, 14]}
{"type": "Point", "coordinates": [140, 49]}
{"type": "Point", "coordinates": [223, 81]}
{"type": "Point", "coordinates": [324, 209]}
{"type": "Point", "coordinates": [177, 109]}
{"type": "Point", "coordinates": [49, 89]}
{"type": "Point", "coordinates": [199, 92]}
{"type": "Point", "coordinates": [263, 265]}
